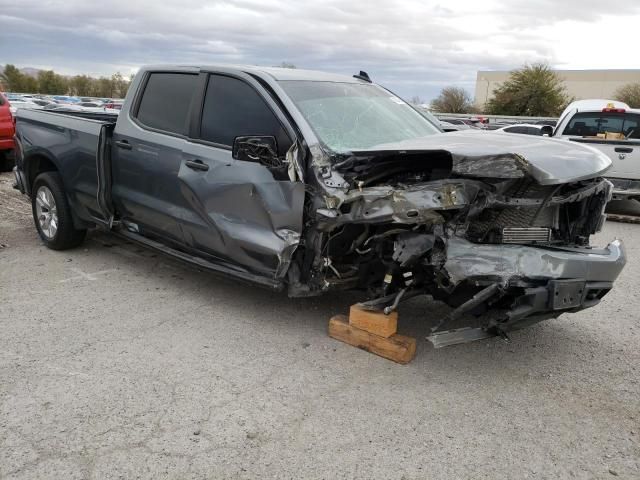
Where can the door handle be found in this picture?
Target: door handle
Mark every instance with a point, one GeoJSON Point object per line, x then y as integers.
{"type": "Point", "coordinates": [197, 165]}
{"type": "Point", "coordinates": [123, 144]}
{"type": "Point", "coordinates": [623, 150]}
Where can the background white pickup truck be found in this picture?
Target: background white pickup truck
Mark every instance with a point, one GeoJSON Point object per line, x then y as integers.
{"type": "Point", "coordinates": [613, 128]}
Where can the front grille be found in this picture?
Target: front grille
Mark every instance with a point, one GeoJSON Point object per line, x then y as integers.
{"type": "Point", "coordinates": [570, 219]}
{"type": "Point", "coordinates": [526, 235]}
{"type": "Point", "coordinates": [490, 225]}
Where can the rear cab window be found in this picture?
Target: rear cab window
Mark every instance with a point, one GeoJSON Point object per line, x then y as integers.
{"type": "Point", "coordinates": [590, 124]}
{"type": "Point", "coordinates": [166, 100]}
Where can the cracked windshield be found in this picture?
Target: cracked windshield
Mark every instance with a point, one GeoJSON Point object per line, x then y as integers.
{"type": "Point", "coordinates": [350, 117]}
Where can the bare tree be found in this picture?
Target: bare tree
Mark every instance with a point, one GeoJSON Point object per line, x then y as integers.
{"type": "Point", "coordinates": [629, 94]}
{"type": "Point", "coordinates": [453, 100]}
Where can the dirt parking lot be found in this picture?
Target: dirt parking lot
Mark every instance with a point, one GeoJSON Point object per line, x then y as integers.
{"type": "Point", "coordinates": [117, 363]}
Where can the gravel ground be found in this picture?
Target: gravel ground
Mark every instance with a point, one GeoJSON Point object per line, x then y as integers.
{"type": "Point", "coordinates": [119, 363]}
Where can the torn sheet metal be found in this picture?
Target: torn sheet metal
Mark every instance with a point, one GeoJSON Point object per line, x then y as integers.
{"type": "Point", "coordinates": [467, 261]}
{"type": "Point", "coordinates": [458, 335]}
{"type": "Point", "coordinates": [406, 204]}
{"type": "Point", "coordinates": [548, 161]}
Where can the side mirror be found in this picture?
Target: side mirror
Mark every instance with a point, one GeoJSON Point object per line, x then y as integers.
{"type": "Point", "coordinates": [547, 131]}
{"type": "Point", "coordinates": [256, 148]}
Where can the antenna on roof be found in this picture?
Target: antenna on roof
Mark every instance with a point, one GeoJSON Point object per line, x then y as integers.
{"type": "Point", "coordinates": [363, 76]}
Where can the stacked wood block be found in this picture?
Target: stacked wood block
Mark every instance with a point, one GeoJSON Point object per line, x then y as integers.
{"type": "Point", "coordinates": [374, 332]}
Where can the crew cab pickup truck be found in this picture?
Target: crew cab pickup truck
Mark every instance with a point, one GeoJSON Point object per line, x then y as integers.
{"type": "Point", "coordinates": [314, 182]}
{"type": "Point", "coordinates": [614, 129]}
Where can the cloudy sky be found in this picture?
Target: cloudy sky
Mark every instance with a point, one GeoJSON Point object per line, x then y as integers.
{"type": "Point", "coordinates": [413, 47]}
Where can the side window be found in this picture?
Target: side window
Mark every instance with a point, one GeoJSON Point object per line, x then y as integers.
{"type": "Point", "coordinates": [233, 108]}
{"type": "Point", "coordinates": [166, 100]}
{"type": "Point", "coordinates": [583, 124]}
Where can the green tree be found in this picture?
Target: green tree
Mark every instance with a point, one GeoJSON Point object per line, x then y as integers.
{"type": "Point", "coordinates": [51, 83]}
{"type": "Point", "coordinates": [102, 87]}
{"type": "Point", "coordinates": [533, 90]}
{"type": "Point", "coordinates": [81, 85]}
{"type": "Point", "coordinates": [629, 94]}
{"type": "Point", "coordinates": [453, 100]}
{"type": "Point", "coordinates": [30, 84]}
{"type": "Point", "coordinates": [15, 79]}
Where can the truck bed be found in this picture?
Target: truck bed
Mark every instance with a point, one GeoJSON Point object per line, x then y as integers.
{"type": "Point", "coordinates": [77, 143]}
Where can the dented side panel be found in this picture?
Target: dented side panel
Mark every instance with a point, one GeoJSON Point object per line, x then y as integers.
{"type": "Point", "coordinates": [240, 213]}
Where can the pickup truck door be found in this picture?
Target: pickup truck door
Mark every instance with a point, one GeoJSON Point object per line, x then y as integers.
{"type": "Point", "coordinates": [243, 214]}
{"type": "Point", "coordinates": [147, 154]}
{"type": "Point", "coordinates": [624, 155]}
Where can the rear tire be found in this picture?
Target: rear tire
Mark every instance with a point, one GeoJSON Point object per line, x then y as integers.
{"type": "Point", "coordinates": [52, 213]}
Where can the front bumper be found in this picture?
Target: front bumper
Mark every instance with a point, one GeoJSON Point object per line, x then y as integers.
{"type": "Point", "coordinates": [543, 282]}
{"type": "Point", "coordinates": [503, 263]}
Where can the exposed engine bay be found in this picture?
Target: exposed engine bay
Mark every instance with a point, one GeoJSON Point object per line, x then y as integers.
{"type": "Point", "coordinates": [476, 233]}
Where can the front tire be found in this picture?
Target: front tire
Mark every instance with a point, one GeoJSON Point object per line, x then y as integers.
{"type": "Point", "coordinates": [52, 213]}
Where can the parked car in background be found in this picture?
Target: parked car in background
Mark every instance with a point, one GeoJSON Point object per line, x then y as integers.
{"type": "Point", "coordinates": [459, 123]}
{"type": "Point", "coordinates": [16, 104]}
{"type": "Point", "coordinates": [40, 102]}
{"type": "Point", "coordinates": [113, 105]}
{"type": "Point", "coordinates": [613, 128]}
{"type": "Point", "coordinates": [315, 182]}
{"type": "Point", "coordinates": [450, 127]}
{"type": "Point", "coordinates": [499, 125]}
{"type": "Point", "coordinates": [89, 104]}
{"type": "Point", "coordinates": [6, 135]}
{"type": "Point", "coordinates": [527, 129]}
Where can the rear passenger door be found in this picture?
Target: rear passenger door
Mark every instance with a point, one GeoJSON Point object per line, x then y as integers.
{"type": "Point", "coordinates": [147, 151]}
{"type": "Point", "coordinates": [243, 213]}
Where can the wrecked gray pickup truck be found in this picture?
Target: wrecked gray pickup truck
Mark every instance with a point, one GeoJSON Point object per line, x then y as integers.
{"type": "Point", "coordinates": [314, 182]}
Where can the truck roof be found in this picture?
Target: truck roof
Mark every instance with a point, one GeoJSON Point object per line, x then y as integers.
{"type": "Point", "coordinates": [277, 73]}
{"type": "Point", "coordinates": [595, 105]}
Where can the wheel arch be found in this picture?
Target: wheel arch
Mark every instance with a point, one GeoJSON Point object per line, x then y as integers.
{"type": "Point", "coordinates": [36, 163]}
{"type": "Point", "coordinates": [39, 162]}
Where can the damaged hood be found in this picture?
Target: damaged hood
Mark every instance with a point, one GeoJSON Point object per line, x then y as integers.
{"type": "Point", "coordinates": [476, 153]}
